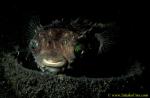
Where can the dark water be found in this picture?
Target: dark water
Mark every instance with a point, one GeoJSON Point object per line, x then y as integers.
{"type": "Point", "coordinates": [132, 41]}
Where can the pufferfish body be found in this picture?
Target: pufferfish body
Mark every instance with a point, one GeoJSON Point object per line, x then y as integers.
{"type": "Point", "coordinates": [56, 46]}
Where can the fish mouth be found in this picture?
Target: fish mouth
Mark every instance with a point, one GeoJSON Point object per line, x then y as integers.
{"type": "Point", "coordinates": [53, 63]}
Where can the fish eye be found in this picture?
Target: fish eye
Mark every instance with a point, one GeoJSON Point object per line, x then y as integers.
{"type": "Point", "coordinates": [34, 44]}
{"type": "Point", "coordinates": [79, 49]}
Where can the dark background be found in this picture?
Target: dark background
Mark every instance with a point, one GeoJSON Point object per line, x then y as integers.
{"type": "Point", "coordinates": [131, 19]}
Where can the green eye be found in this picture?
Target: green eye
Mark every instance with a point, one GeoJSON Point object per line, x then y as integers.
{"type": "Point", "coordinates": [78, 48]}
{"type": "Point", "coordinates": [33, 44]}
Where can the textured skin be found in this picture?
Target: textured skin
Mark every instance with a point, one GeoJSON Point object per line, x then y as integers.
{"type": "Point", "coordinates": [53, 46]}
{"type": "Point", "coordinates": [56, 45]}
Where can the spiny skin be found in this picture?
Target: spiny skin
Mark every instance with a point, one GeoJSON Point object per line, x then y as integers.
{"type": "Point", "coordinates": [54, 48]}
